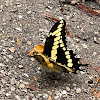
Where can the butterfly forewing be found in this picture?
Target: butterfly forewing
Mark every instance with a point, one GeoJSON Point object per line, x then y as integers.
{"type": "Point", "coordinates": [56, 49]}
{"type": "Point", "coordinates": [55, 38]}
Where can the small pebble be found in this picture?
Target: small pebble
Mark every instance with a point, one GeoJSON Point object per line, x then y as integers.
{"type": "Point", "coordinates": [73, 2]}
{"type": "Point", "coordinates": [49, 98]}
{"type": "Point", "coordinates": [2, 90]}
{"type": "Point", "coordinates": [29, 12]}
{"type": "Point", "coordinates": [41, 30]}
{"type": "Point", "coordinates": [50, 7]}
{"type": "Point", "coordinates": [19, 5]}
{"type": "Point", "coordinates": [18, 28]}
{"type": "Point", "coordinates": [2, 72]}
{"type": "Point", "coordinates": [91, 23]}
{"type": "Point", "coordinates": [78, 26]}
{"type": "Point", "coordinates": [90, 77]}
{"type": "Point", "coordinates": [20, 66]}
{"type": "Point", "coordinates": [82, 29]}
{"type": "Point", "coordinates": [8, 94]}
{"type": "Point", "coordinates": [96, 40]}
{"type": "Point", "coordinates": [37, 96]}
{"type": "Point", "coordinates": [21, 86]}
{"type": "Point", "coordinates": [18, 97]}
{"type": "Point", "coordinates": [32, 59]}
{"type": "Point", "coordinates": [77, 40]}
{"type": "Point", "coordinates": [13, 10]}
{"type": "Point", "coordinates": [29, 42]}
{"type": "Point", "coordinates": [67, 17]}
{"type": "Point", "coordinates": [74, 84]}
{"type": "Point", "coordinates": [45, 95]}
{"type": "Point", "coordinates": [24, 90]}
{"type": "Point", "coordinates": [12, 80]}
{"type": "Point", "coordinates": [57, 92]}
{"type": "Point", "coordinates": [12, 88]}
{"type": "Point", "coordinates": [78, 90]}
{"type": "Point", "coordinates": [24, 99]}
{"type": "Point", "coordinates": [4, 50]}
{"type": "Point", "coordinates": [26, 75]}
{"type": "Point", "coordinates": [26, 83]}
{"type": "Point", "coordinates": [34, 99]}
{"type": "Point", "coordinates": [2, 65]}
{"type": "Point", "coordinates": [67, 88]}
{"type": "Point", "coordinates": [10, 56]}
{"type": "Point", "coordinates": [84, 45]}
{"type": "Point", "coordinates": [90, 81]}
{"type": "Point", "coordinates": [82, 72]}
{"type": "Point", "coordinates": [12, 49]}
{"type": "Point", "coordinates": [56, 97]}
{"type": "Point", "coordinates": [27, 97]}
{"type": "Point", "coordinates": [20, 16]}
{"type": "Point", "coordinates": [64, 92]}
{"type": "Point", "coordinates": [39, 68]}
{"type": "Point", "coordinates": [94, 53]}
{"type": "Point", "coordinates": [96, 32]}
{"type": "Point", "coordinates": [3, 81]}
{"type": "Point", "coordinates": [35, 78]}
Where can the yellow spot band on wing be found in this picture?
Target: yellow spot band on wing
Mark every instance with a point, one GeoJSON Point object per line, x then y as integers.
{"type": "Point", "coordinates": [62, 45]}
{"type": "Point", "coordinates": [64, 48]}
{"type": "Point", "coordinates": [67, 53]}
{"type": "Point", "coordinates": [57, 38]}
{"type": "Point", "coordinates": [57, 31]}
{"type": "Point", "coordinates": [61, 21]}
{"type": "Point", "coordinates": [50, 33]}
{"type": "Point", "coordinates": [60, 41]}
{"type": "Point", "coordinates": [68, 56]}
{"type": "Point", "coordinates": [70, 60]}
{"type": "Point", "coordinates": [58, 34]}
{"type": "Point", "coordinates": [55, 47]}
{"type": "Point", "coordinates": [55, 43]}
{"type": "Point", "coordinates": [69, 64]}
{"type": "Point", "coordinates": [60, 26]}
{"type": "Point", "coordinates": [54, 58]}
{"type": "Point", "coordinates": [53, 52]}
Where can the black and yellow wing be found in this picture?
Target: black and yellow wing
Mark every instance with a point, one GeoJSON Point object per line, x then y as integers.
{"type": "Point", "coordinates": [54, 54]}
{"type": "Point", "coordinates": [56, 49]}
{"type": "Point", "coordinates": [56, 40]}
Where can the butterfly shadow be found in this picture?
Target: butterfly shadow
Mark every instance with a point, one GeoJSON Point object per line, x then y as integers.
{"type": "Point", "coordinates": [56, 80]}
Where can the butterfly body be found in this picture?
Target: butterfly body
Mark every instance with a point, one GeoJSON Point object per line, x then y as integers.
{"type": "Point", "coordinates": [54, 54]}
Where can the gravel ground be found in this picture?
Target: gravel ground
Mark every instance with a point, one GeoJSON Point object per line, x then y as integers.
{"type": "Point", "coordinates": [25, 20]}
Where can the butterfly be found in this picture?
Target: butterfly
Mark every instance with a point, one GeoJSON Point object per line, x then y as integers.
{"type": "Point", "coordinates": [54, 55]}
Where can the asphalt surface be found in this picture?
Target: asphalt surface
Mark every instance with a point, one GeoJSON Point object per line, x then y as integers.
{"type": "Point", "coordinates": [24, 20]}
